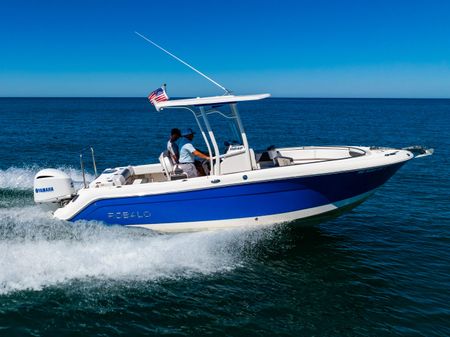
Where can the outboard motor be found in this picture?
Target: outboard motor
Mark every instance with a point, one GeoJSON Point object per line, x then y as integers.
{"type": "Point", "coordinates": [52, 186]}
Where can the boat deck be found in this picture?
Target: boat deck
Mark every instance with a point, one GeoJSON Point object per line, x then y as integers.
{"type": "Point", "coordinates": [144, 174]}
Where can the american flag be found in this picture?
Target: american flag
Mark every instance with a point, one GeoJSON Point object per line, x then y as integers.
{"type": "Point", "coordinates": [159, 95]}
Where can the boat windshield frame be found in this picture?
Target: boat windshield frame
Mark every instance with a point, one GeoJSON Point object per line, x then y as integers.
{"type": "Point", "coordinates": [201, 117]}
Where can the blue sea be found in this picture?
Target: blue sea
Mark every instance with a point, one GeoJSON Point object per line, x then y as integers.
{"type": "Point", "coordinates": [382, 269]}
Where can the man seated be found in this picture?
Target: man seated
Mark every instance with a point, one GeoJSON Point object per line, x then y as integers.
{"type": "Point", "coordinates": [188, 153]}
{"type": "Point", "coordinates": [172, 146]}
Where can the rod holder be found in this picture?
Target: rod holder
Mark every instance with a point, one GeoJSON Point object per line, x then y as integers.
{"type": "Point", "coordinates": [93, 162]}
{"type": "Point", "coordinates": [82, 170]}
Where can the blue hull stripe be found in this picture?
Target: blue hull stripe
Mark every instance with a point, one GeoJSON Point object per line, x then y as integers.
{"type": "Point", "coordinates": [238, 201]}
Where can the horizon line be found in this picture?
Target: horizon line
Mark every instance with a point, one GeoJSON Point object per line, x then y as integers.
{"type": "Point", "coordinates": [272, 97]}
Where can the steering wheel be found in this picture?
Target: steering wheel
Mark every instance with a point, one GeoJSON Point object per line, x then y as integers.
{"type": "Point", "coordinates": [205, 163]}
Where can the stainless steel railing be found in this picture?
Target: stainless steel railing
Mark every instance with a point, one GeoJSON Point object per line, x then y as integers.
{"type": "Point", "coordinates": [82, 164]}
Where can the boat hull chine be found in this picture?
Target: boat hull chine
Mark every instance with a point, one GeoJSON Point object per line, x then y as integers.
{"type": "Point", "coordinates": [301, 218]}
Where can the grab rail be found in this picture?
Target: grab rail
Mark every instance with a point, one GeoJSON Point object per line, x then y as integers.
{"type": "Point", "coordinates": [82, 164]}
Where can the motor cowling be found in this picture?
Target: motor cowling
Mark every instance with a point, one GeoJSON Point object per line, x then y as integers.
{"type": "Point", "coordinates": [52, 185]}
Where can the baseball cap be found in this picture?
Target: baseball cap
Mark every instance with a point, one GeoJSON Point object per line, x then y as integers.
{"type": "Point", "coordinates": [187, 132]}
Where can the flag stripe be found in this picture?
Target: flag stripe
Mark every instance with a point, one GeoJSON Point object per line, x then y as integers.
{"type": "Point", "coordinates": [159, 95]}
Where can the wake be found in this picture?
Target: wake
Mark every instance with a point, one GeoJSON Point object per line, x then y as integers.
{"type": "Point", "coordinates": [37, 251]}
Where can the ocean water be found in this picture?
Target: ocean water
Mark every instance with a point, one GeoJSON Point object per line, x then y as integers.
{"type": "Point", "coordinates": [381, 270]}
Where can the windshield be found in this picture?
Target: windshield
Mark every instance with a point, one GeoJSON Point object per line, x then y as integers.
{"type": "Point", "coordinates": [224, 124]}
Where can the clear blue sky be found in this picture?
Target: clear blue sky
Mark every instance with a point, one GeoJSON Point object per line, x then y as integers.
{"type": "Point", "coordinates": [301, 48]}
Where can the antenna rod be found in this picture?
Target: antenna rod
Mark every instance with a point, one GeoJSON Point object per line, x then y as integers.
{"type": "Point", "coordinates": [185, 63]}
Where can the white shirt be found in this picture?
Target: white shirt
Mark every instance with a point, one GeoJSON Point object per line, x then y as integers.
{"type": "Point", "coordinates": [172, 148]}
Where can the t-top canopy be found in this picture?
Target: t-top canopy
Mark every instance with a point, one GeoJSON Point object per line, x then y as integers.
{"type": "Point", "coordinates": [213, 100]}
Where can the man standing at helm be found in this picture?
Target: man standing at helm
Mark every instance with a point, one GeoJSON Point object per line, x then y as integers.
{"type": "Point", "coordinates": [188, 153]}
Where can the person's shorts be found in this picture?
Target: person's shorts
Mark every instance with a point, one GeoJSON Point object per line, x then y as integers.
{"type": "Point", "coordinates": [189, 169]}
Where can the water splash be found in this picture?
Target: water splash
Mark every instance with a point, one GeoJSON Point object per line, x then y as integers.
{"type": "Point", "coordinates": [37, 251]}
{"type": "Point", "coordinates": [21, 178]}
